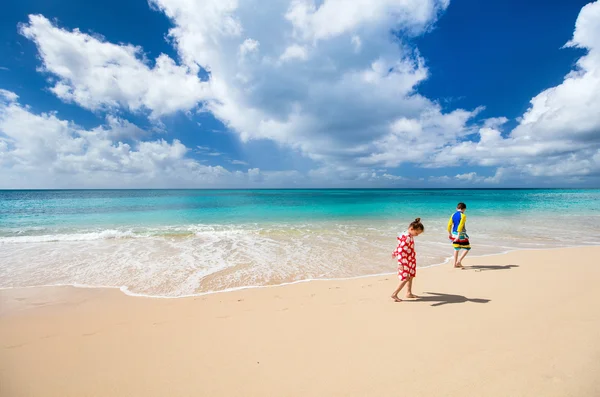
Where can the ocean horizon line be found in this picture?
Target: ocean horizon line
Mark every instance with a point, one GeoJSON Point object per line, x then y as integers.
{"type": "Point", "coordinates": [300, 188]}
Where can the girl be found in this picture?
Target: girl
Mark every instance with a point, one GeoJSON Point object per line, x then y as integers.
{"type": "Point", "coordinates": [407, 261]}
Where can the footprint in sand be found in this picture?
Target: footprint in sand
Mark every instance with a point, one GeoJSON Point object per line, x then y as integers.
{"type": "Point", "coordinates": [15, 346]}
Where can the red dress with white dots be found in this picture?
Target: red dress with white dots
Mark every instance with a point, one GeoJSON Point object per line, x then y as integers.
{"type": "Point", "coordinates": [407, 258]}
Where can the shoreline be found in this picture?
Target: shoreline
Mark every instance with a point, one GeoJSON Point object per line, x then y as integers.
{"type": "Point", "coordinates": [125, 290]}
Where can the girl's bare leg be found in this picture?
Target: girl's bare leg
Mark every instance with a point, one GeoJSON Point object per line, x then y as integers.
{"type": "Point", "coordinates": [409, 293]}
{"type": "Point", "coordinates": [397, 291]}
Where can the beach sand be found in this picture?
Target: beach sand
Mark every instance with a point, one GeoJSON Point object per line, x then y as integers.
{"type": "Point", "coordinates": [521, 324]}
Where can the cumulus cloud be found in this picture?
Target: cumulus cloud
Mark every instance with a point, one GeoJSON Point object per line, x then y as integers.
{"type": "Point", "coordinates": [294, 52]}
{"type": "Point", "coordinates": [248, 46]}
{"type": "Point", "coordinates": [466, 177]}
{"type": "Point", "coordinates": [330, 80]}
{"type": "Point", "coordinates": [414, 139]}
{"type": "Point", "coordinates": [559, 135]}
{"type": "Point", "coordinates": [339, 90]}
{"type": "Point", "coordinates": [332, 88]}
{"type": "Point", "coordinates": [41, 150]}
{"type": "Point", "coordinates": [206, 151]}
{"type": "Point", "coordinates": [338, 17]}
{"type": "Point", "coordinates": [99, 75]}
{"type": "Point", "coordinates": [44, 151]}
{"type": "Point", "coordinates": [469, 179]}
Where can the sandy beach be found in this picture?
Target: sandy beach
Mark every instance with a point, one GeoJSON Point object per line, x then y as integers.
{"type": "Point", "coordinates": [525, 323]}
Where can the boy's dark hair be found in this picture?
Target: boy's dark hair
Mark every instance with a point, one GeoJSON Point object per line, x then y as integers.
{"type": "Point", "coordinates": [461, 206]}
{"type": "Point", "coordinates": [417, 225]}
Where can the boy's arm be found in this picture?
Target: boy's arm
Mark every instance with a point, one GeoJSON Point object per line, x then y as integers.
{"type": "Point", "coordinates": [461, 225]}
{"type": "Point", "coordinates": [450, 226]}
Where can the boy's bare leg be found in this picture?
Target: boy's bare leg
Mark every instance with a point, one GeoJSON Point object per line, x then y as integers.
{"type": "Point", "coordinates": [456, 261]}
{"type": "Point", "coordinates": [459, 263]}
{"type": "Point", "coordinates": [395, 293]}
{"type": "Point", "coordinates": [409, 293]}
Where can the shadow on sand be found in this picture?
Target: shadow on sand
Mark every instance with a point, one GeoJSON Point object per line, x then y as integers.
{"type": "Point", "coordinates": [443, 299]}
{"type": "Point", "coordinates": [481, 268]}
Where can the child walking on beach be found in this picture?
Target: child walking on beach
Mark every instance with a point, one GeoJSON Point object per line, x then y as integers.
{"type": "Point", "coordinates": [457, 233]}
{"type": "Point", "coordinates": [407, 258]}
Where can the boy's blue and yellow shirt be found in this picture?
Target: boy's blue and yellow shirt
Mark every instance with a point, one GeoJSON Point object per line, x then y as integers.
{"type": "Point", "coordinates": [457, 221]}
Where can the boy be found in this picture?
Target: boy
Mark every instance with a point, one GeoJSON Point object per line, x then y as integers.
{"type": "Point", "coordinates": [457, 232]}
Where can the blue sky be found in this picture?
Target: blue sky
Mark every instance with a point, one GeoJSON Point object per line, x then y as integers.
{"type": "Point", "coordinates": [333, 93]}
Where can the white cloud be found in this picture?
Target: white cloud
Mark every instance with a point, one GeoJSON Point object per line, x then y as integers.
{"type": "Point", "coordinates": [98, 75]}
{"type": "Point", "coordinates": [248, 46]}
{"type": "Point", "coordinates": [8, 95]}
{"type": "Point", "coordinates": [335, 106]}
{"type": "Point", "coordinates": [294, 52]}
{"type": "Point", "coordinates": [310, 89]}
{"type": "Point", "coordinates": [495, 122]}
{"type": "Point", "coordinates": [392, 177]}
{"type": "Point", "coordinates": [300, 87]}
{"type": "Point", "coordinates": [206, 151]}
{"type": "Point", "coordinates": [445, 179]}
{"type": "Point", "coordinates": [467, 177]}
{"type": "Point", "coordinates": [117, 128]}
{"type": "Point", "coordinates": [414, 139]}
{"type": "Point", "coordinates": [357, 43]}
{"type": "Point", "coordinates": [44, 151]}
{"type": "Point", "coordinates": [559, 135]}
{"type": "Point", "coordinates": [238, 162]}
{"type": "Point", "coordinates": [337, 17]}
{"type": "Point", "coordinates": [329, 80]}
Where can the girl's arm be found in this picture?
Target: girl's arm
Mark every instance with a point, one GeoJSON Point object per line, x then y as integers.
{"type": "Point", "coordinates": [400, 247]}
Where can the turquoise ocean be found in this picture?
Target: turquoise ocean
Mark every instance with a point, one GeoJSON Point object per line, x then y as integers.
{"type": "Point", "coordinates": [171, 243]}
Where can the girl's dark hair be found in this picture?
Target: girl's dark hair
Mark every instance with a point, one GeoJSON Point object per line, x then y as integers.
{"type": "Point", "coordinates": [417, 225]}
{"type": "Point", "coordinates": [461, 206]}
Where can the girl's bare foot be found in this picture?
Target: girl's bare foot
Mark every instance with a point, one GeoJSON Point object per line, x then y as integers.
{"type": "Point", "coordinates": [411, 296]}
{"type": "Point", "coordinates": [396, 299]}
{"type": "Point", "coordinates": [459, 265]}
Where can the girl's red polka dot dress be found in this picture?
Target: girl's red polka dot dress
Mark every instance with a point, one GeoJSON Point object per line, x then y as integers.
{"type": "Point", "coordinates": [407, 258]}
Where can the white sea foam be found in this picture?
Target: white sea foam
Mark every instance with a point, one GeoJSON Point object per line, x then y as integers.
{"type": "Point", "coordinates": [175, 261]}
{"type": "Point", "coordinates": [44, 238]}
